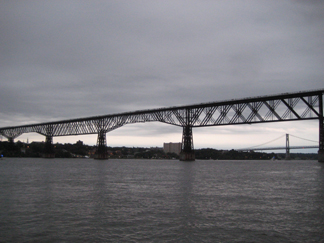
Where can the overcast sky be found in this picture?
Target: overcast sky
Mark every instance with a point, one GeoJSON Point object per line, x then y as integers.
{"type": "Point", "coordinates": [71, 59]}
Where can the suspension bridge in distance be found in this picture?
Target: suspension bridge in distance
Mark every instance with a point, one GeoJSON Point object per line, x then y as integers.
{"type": "Point", "coordinates": [287, 148]}
{"type": "Point", "coordinates": [299, 106]}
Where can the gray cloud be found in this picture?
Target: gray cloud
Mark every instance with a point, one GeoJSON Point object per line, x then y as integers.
{"type": "Point", "coordinates": [67, 59]}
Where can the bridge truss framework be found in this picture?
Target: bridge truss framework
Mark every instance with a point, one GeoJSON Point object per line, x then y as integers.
{"type": "Point", "coordinates": [307, 105]}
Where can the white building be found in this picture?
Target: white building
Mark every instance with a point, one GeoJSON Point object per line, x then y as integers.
{"type": "Point", "coordinates": [172, 148]}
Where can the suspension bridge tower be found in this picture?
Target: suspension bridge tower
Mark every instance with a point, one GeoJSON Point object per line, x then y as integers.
{"type": "Point", "coordinates": [287, 147]}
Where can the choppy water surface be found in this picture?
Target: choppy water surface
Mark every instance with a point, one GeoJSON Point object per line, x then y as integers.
{"type": "Point", "coordinates": [84, 200]}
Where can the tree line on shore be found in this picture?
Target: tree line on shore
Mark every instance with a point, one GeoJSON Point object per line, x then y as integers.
{"type": "Point", "coordinates": [80, 150]}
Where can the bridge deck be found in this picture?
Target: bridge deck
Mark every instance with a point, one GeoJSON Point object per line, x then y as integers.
{"type": "Point", "coordinates": [275, 108]}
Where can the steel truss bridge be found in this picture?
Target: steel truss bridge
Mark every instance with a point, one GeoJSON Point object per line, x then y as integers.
{"type": "Point", "coordinates": [306, 105]}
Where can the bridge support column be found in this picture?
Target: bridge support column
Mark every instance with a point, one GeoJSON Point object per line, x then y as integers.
{"type": "Point", "coordinates": [321, 130]}
{"type": "Point", "coordinates": [101, 152]}
{"type": "Point", "coordinates": [321, 156]}
{"type": "Point", "coordinates": [48, 150]}
{"type": "Point", "coordinates": [187, 150]}
{"type": "Point", "coordinates": [321, 143]}
{"type": "Point", "coordinates": [12, 146]}
{"type": "Point", "coordinates": [287, 147]}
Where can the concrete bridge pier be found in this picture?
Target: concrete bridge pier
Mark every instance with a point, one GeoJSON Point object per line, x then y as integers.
{"type": "Point", "coordinates": [321, 144]}
{"type": "Point", "coordinates": [11, 140]}
{"type": "Point", "coordinates": [321, 156]}
{"type": "Point", "coordinates": [187, 150]}
{"type": "Point", "coordinates": [321, 131]}
{"type": "Point", "coordinates": [49, 150]}
{"type": "Point", "coordinates": [101, 152]}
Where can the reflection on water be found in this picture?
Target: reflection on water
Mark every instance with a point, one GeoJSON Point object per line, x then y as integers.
{"type": "Point", "coordinates": [79, 200]}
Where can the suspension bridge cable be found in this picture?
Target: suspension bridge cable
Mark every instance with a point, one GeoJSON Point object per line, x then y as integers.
{"type": "Point", "coordinates": [265, 143]}
{"type": "Point", "coordinates": [304, 139]}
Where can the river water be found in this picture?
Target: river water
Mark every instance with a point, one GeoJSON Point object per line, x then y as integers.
{"type": "Point", "coordinates": [85, 200]}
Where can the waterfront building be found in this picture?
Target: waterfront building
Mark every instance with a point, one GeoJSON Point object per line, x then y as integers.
{"type": "Point", "coordinates": [172, 148]}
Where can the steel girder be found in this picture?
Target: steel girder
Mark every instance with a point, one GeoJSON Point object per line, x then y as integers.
{"type": "Point", "coordinates": [248, 112]}
{"type": "Point", "coordinates": [277, 108]}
